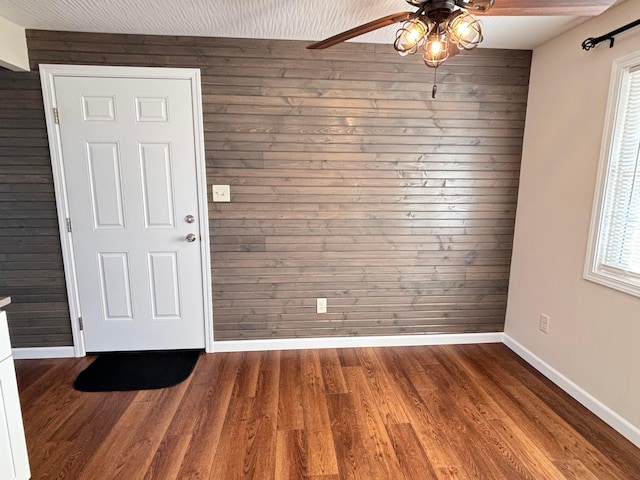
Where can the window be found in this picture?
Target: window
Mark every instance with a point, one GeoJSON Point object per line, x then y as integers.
{"type": "Point", "coordinates": [613, 256]}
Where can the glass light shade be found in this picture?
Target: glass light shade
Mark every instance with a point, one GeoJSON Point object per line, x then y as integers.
{"type": "Point", "coordinates": [477, 5]}
{"type": "Point", "coordinates": [409, 37]}
{"type": "Point", "coordinates": [435, 49]}
{"type": "Point", "coordinates": [464, 29]}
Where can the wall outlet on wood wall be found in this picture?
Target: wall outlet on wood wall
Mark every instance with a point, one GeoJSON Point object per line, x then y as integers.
{"type": "Point", "coordinates": [321, 305]}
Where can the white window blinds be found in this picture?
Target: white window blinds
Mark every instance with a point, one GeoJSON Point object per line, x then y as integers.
{"type": "Point", "coordinates": [613, 252]}
{"type": "Point", "coordinates": [620, 223]}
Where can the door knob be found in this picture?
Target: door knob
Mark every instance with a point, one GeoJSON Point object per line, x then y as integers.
{"type": "Point", "coordinates": [190, 238]}
{"type": "Point", "coordinates": [189, 219]}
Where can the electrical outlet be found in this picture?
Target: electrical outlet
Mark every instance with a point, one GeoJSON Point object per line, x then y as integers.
{"type": "Point", "coordinates": [544, 323]}
{"type": "Point", "coordinates": [321, 305]}
{"type": "Point", "coordinates": [221, 193]}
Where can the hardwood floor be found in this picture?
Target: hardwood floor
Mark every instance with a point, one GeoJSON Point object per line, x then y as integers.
{"type": "Point", "coordinates": [472, 411]}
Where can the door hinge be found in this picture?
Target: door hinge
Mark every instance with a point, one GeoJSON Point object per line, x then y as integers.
{"type": "Point", "coordinates": [56, 116]}
{"type": "Point", "coordinates": [69, 228]}
{"type": "Point", "coordinates": [81, 323]}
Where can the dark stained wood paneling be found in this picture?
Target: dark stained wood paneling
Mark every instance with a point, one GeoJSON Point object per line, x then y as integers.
{"type": "Point", "coordinates": [348, 182]}
{"type": "Point", "coordinates": [30, 256]}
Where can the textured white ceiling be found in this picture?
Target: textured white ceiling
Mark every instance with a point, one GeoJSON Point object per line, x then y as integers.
{"type": "Point", "coordinates": [274, 19]}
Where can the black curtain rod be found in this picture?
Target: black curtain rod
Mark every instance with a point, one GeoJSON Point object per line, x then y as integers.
{"type": "Point", "coordinates": [589, 43]}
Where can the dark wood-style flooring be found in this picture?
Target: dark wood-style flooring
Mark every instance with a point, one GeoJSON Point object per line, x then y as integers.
{"type": "Point", "coordinates": [473, 411]}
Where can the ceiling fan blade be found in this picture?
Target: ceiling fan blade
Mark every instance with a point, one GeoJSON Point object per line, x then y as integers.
{"type": "Point", "coordinates": [362, 29]}
{"type": "Point", "coordinates": [548, 7]}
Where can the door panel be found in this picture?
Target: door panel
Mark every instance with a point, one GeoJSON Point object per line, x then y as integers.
{"type": "Point", "coordinates": [103, 167]}
{"type": "Point", "coordinates": [115, 286]}
{"type": "Point", "coordinates": [98, 109]}
{"type": "Point", "coordinates": [165, 285]}
{"type": "Point", "coordinates": [157, 185]}
{"type": "Point", "coordinates": [128, 152]}
{"type": "Point", "coordinates": [151, 109]}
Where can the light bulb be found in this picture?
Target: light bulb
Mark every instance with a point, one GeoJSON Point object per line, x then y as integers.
{"type": "Point", "coordinates": [413, 35]}
{"type": "Point", "coordinates": [409, 37]}
{"type": "Point", "coordinates": [462, 29]}
{"type": "Point", "coordinates": [465, 30]}
{"type": "Point", "coordinates": [436, 49]}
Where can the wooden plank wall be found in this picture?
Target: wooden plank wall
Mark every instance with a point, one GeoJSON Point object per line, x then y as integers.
{"type": "Point", "coordinates": [347, 181]}
{"type": "Point", "coordinates": [30, 255]}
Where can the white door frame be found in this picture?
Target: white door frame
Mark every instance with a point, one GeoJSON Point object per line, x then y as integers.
{"type": "Point", "coordinates": [47, 75]}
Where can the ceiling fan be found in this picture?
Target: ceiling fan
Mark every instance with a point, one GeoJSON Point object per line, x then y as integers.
{"type": "Point", "coordinates": [441, 28]}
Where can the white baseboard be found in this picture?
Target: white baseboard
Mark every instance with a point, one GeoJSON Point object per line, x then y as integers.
{"type": "Point", "coordinates": [42, 352]}
{"type": "Point", "coordinates": [618, 423]}
{"type": "Point", "coordinates": [352, 342]}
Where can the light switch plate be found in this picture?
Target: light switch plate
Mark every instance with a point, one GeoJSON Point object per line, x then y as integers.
{"type": "Point", "coordinates": [221, 193]}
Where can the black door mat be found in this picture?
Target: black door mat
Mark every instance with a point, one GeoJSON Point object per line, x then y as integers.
{"type": "Point", "coordinates": [151, 370]}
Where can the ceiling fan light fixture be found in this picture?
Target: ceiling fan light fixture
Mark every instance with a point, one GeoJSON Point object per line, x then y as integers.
{"type": "Point", "coordinates": [436, 48]}
{"type": "Point", "coordinates": [464, 29]}
{"type": "Point", "coordinates": [411, 35]}
{"type": "Point", "coordinates": [442, 28]}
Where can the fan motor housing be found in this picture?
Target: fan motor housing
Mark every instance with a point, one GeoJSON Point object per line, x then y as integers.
{"type": "Point", "coordinates": [430, 5]}
{"type": "Point", "coordinates": [434, 4]}
{"type": "Point", "coordinates": [437, 10]}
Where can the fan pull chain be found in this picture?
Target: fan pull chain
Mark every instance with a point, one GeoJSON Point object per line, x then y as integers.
{"type": "Point", "coordinates": [434, 90]}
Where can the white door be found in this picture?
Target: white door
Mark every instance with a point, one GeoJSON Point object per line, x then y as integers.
{"type": "Point", "coordinates": [128, 155]}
